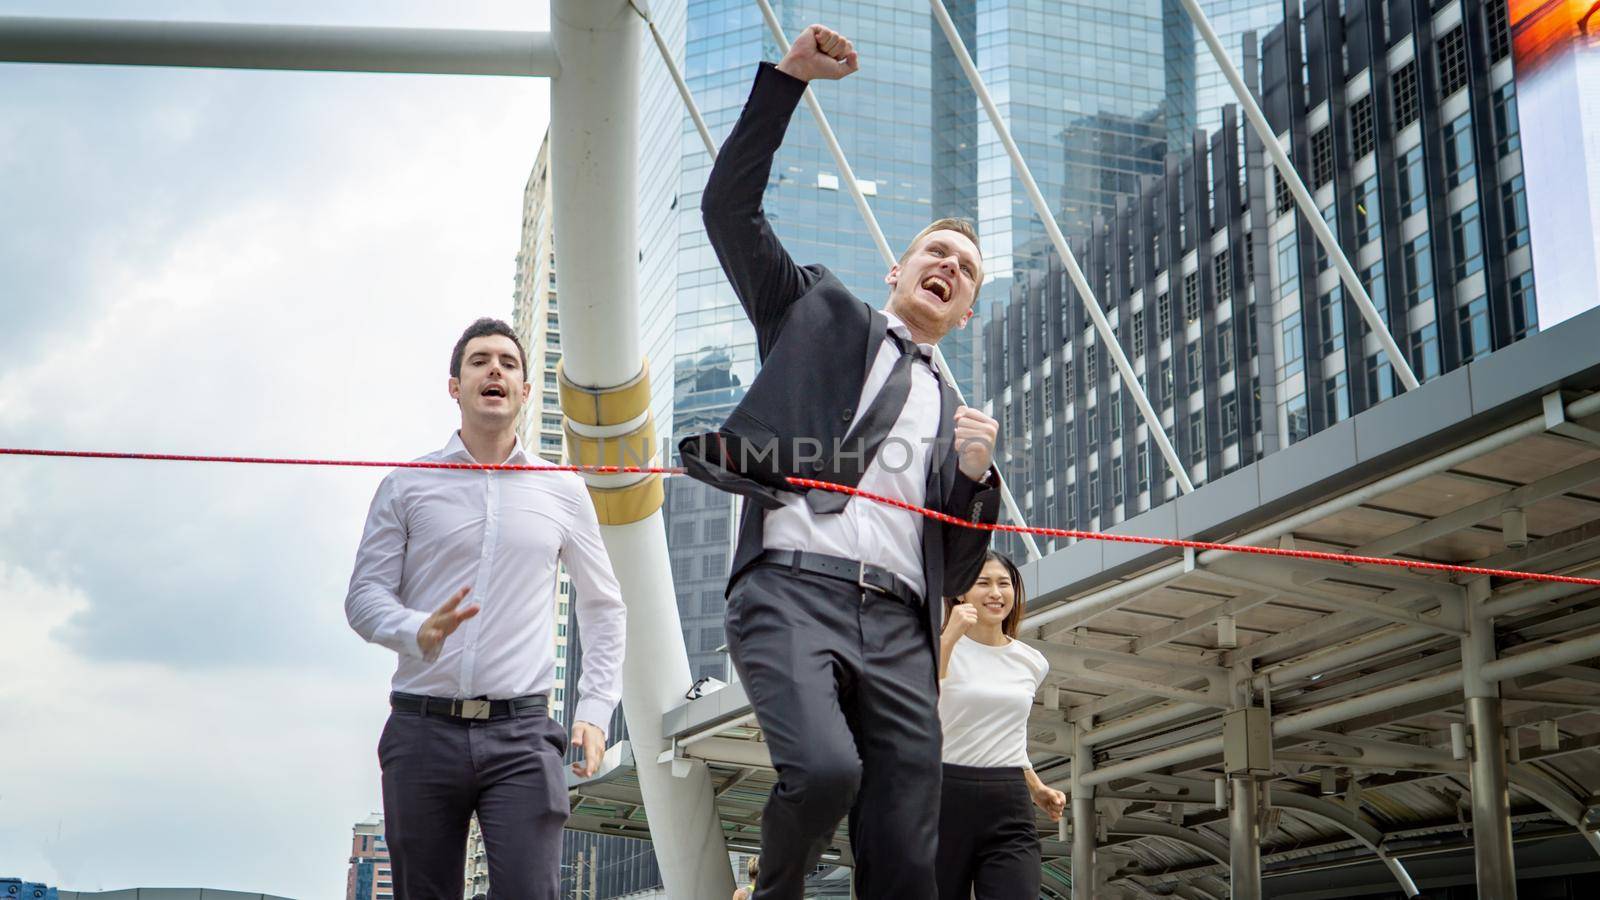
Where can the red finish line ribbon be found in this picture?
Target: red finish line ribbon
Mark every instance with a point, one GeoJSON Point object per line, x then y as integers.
{"type": "Point", "coordinates": [1345, 558]}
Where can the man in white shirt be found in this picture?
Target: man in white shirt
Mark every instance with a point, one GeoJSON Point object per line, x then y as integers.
{"type": "Point", "coordinates": [456, 573]}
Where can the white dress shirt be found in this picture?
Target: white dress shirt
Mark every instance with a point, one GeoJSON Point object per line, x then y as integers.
{"type": "Point", "coordinates": [984, 701]}
{"type": "Point", "coordinates": [431, 532]}
{"type": "Point", "coordinates": [874, 532]}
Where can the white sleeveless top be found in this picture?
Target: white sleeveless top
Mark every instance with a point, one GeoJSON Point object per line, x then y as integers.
{"type": "Point", "coordinates": [984, 702]}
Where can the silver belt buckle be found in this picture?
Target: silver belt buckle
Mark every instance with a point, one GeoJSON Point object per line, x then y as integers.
{"type": "Point", "coordinates": [471, 709]}
{"type": "Point", "coordinates": [861, 577]}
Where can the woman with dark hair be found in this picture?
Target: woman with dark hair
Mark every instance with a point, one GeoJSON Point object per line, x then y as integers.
{"type": "Point", "coordinates": [988, 842]}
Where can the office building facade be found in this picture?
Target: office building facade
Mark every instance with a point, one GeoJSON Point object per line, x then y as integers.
{"type": "Point", "coordinates": [1404, 128]}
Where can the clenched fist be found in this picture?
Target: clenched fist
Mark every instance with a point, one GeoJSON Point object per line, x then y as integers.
{"type": "Point", "coordinates": [819, 52]}
{"type": "Point", "coordinates": [975, 436]}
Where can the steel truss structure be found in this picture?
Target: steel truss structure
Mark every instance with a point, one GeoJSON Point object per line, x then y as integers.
{"type": "Point", "coordinates": [1398, 703]}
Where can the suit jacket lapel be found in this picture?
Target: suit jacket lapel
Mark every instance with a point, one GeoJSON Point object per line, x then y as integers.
{"type": "Point", "coordinates": [877, 331]}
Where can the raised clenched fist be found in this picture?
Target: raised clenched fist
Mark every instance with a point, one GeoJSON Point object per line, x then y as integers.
{"type": "Point", "coordinates": [819, 52]}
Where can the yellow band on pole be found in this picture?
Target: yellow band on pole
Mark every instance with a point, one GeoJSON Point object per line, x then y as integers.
{"type": "Point", "coordinates": [608, 405]}
{"type": "Point", "coordinates": [626, 505]}
{"type": "Point", "coordinates": [636, 448]}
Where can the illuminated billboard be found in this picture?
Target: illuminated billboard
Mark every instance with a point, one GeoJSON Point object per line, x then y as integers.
{"type": "Point", "coordinates": [1556, 44]}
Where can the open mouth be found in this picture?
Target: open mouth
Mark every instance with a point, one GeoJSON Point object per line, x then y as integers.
{"type": "Point", "coordinates": [493, 390]}
{"type": "Point", "coordinates": [995, 607]}
{"type": "Point", "coordinates": [938, 287]}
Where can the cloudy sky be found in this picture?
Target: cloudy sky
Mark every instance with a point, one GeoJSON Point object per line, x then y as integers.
{"type": "Point", "coordinates": [222, 263]}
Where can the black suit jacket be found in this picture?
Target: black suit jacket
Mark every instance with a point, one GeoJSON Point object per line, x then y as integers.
{"type": "Point", "coordinates": [816, 342]}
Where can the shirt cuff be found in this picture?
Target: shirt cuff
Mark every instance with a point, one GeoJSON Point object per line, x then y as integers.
{"type": "Point", "coordinates": [402, 635]}
{"type": "Point", "coordinates": [596, 712]}
{"type": "Point", "coordinates": [769, 71]}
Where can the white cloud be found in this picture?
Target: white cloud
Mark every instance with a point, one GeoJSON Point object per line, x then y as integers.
{"type": "Point", "coordinates": [221, 263]}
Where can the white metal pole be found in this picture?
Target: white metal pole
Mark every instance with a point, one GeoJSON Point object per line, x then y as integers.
{"type": "Point", "coordinates": [309, 48]}
{"type": "Point", "coordinates": [677, 79]}
{"type": "Point", "coordinates": [1091, 304]}
{"type": "Point", "coordinates": [594, 174]}
{"type": "Point", "coordinates": [1302, 196]}
{"type": "Point", "coordinates": [1083, 824]}
{"type": "Point", "coordinates": [889, 259]}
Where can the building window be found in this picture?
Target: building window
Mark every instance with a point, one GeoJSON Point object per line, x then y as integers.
{"type": "Point", "coordinates": [1091, 365]}
{"type": "Point", "coordinates": [1377, 290]}
{"type": "Point", "coordinates": [1413, 183]}
{"type": "Point", "coordinates": [1424, 350]}
{"type": "Point", "coordinates": [714, 565]}
{"type": "Point", "coordinates": [1322, 157]}
{"type": "Point", "coordinates": [717, 529]}
{"type": "Point", "coordinates": [1331, 317]}
{"type": "Point", "coordinates": [1466, 240]}
{"type": "Point", "coordinates": [1222, 277]}
{"type": "Point", "coordinates": [1049, 398]}
{"type": "Point", "coordinates": [681, 569]}
{"type": "Point", "coordinates": [1524, 307]}
{"type": "Point", "coordinates": [1166, 382]}
{"type": "Point", "coordinates": [1163, 316]}
{"type": "Point", "coordinates": [1288, 265]}
{"type": "Point", "coordinates": [1380, 378]}
{"type": "Point", "coordinates": [711, 603]}
{"type": "Point", "coordinates": [1293, 344]}
{"type": "Point", "coordinates": [1225, 348]}
{"type": "Point", "coordinates": [1452, 53]}
{"type": "Point", "coordinates": [1282, 195]}
{"type": "Point", "coordinates": [1092, 427]}
{"type": "Point", "coordinates": [710, 639]}
{"type": "Point", "coordinates": [1066, 382]}
{"type": "Point", "coordinates": [1458, 165]}
{"type": "Point", "coordinates": [1368, 226]}
{"type": "Point", "coordinates": [1404, 85]}
{"type": "Point", "coordinates": [1336, 397]}
{"type": "Point", "coordinates": [1299, 418]}
{"type": "Point", "coordinates": [1136, 332]}
{"type": "Point", "coordinates": [1417, 258]}
{"type": "Point", "coordinates": [550, 423]}
{"type": "Point", "coordinates": [1499, 30]}
{"type": "Point", "coordinates": [1507, 131]}
{"type": "Point", "coordinates": [1191, 298]}
{"type": "Point", "coordinates": [1193, 366]}
{"type": "Point", "coordinates": [1114, 407]}
{"type": "Point", "coordinates": [1230, 418]}
{"type": "Point", "coordinates": [1362, 138]}
{"type": "Point", "coordinates": [550, 380]}
{"type": "Point", "coordinates": [1472, 328]}
{"type": "Point", "coordinates": [1514, 206]}
{"type": "Point", "coordinates": [1197, 437]}
{"type": "Point", "coordinates": [1141, 460]}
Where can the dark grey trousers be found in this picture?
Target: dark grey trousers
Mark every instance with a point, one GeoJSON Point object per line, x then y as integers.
{"type": "Point", "coordinates": [438, 771]}
{"type": "Point", "coordinates": [988, 842]}
{"type": "Point", "coordinates": [843, 685]}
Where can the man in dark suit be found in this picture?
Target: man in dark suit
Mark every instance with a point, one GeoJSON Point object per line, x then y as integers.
{"type": "Point", "coordinates": [833, 602]}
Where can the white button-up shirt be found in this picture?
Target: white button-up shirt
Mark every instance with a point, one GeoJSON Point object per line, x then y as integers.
{"type": "Point", "coordinates": [431, 532]}
{"type": "Point", "coordinates": [874, 532]}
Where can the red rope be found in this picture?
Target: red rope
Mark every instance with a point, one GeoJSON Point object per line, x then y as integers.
{"type": "Point", "coordinates": [1415, 565]}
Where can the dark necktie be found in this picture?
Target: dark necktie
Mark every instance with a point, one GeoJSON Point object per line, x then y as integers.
{"type": "Point", "coordinates": [861, 446]}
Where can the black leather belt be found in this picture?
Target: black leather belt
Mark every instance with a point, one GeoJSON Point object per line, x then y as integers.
{"type": "Point", "coordinates": [864, 575]}
{"type": "Point", "coordinates": [478, 709]}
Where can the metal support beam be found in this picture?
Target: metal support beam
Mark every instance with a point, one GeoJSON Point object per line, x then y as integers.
{"type": "Point", "coordinates": [594, 173]}
{"type": "Point", "coordinates": [1080, 610]}
{"type": "Point", "coordinates": [1244, 839]}
{"type": "Point", "coordinates": [1491, 795]}
{"type": "Point", "coordinates": [1083, 825]}
{"type": "Point", "coordinates": [310, 48]}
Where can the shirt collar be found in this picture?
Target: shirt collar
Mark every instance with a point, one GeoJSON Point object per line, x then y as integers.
{"type": "Point", "coordinates": [456, 450]}
{"type": "Point", "coordinates": [898, 326]}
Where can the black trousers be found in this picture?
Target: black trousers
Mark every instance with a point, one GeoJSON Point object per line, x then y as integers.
{"type": "Point", "coordinates": [988, 842]}
{"type": "Point", "coordinates": [843, 684]}
{"type": "Point", "coordinates": [438, 771]}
